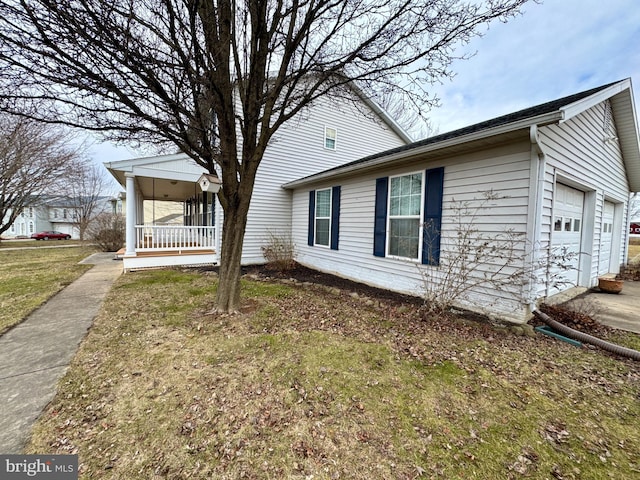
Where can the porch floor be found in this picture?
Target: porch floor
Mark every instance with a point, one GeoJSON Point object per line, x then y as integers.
{"type": "Point", "coordinates": [167, 258]}
{"type": "Point", "coordinates": [165, 253]}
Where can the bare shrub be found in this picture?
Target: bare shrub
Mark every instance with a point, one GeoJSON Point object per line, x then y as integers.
{"type": "Point", "coordinates": [586, 307]}
{"type": "Point", "coordinates": [471, 260]}
{"type": "Point", "coordinates": [279, 251]}
{"type": "Point", "coordinates": [108, 231]}
{"type": "Point", "coordinates": [476, 265]}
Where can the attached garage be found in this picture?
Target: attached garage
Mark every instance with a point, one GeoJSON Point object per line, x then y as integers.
{"type": "Point", "coordinates": [566, 240]}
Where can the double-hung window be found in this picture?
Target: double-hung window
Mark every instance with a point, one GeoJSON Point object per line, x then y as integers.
{"type": "Point", "coordinates": [330, 138]}
{"type": "Point", "coordinates": [323, 217]}
{"type": "Point", "coordinates": [405, 213]}
{"type": "Point", "coordinates": [408, 216]}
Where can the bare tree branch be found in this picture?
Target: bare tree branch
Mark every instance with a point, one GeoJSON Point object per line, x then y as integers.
{"type": "Point", "coordinates": [218, 78]}
{"type": "Point", "coordinates": [84, 187]}
{"type": "Point", "coordinates": [33, 159]}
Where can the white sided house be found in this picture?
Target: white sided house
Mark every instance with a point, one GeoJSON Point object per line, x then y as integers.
{"type": "Point", "coordinates": [327, 134]}
{"type": "Point", "coordinates": [53, 212]}
{"type": "Point", "coordinates": [560, 176]}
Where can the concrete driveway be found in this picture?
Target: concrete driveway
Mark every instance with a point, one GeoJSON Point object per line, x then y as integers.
{"type": "Point", "coordinates": [620, 310]}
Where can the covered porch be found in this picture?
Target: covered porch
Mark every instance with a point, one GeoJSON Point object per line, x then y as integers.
{"type": "Point", "coordinates": [189, 236]}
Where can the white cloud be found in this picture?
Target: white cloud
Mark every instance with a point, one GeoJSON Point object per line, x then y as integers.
{"type": "Point", "coordinates": [555, 49]}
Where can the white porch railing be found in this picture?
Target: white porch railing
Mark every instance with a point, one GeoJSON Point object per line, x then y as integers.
{"type": "Point", "coordinates": [156, 238]}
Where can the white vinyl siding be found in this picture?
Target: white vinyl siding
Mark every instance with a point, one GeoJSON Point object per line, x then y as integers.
{"type": "Point", "coordinates": [585, 151]}
{"type": "Point", "coordinates": [296, 152]}
{"type": "Point", "coordinates": [504, 170]}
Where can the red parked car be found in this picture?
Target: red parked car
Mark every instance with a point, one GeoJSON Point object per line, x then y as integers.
{"type": "Point", "coordinates": [50, 236]}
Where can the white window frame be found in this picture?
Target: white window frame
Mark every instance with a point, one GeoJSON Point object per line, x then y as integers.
{"type": "Point", "coordinates": [316, 217]}
{"type": "Point", "coordinates": [330, 132]}
{"type": "Point", "coordinates": [419, 217]}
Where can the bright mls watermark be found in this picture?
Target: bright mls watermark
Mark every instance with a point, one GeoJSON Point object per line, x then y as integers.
{"type": "Point", "coordinates": [49, 467]}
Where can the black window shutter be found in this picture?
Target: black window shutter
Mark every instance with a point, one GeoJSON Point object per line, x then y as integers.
{"type": "Point", "coordinates": [433, 187]}
{"type": "Point", "coordinates": [312, 217]}
{"type": "Point", "coordinates": [335, 217]}
{"type": "Point", "coordinates": [380, 219]}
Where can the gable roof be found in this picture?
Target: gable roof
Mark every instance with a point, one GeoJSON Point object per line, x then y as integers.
{"type": "Point", "coordinates": [556, 111]}
{"type": "Point", "coordinates": [382, 113]}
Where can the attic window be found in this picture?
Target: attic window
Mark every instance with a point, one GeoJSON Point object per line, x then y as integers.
{"type": "Point", "coordinates": [330, 137]}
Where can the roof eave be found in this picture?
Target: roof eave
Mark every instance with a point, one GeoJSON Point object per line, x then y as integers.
{"type": "Point", "coordinates": [628, 135]}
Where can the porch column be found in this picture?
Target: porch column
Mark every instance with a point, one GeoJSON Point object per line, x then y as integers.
{"type": "Point", "coordinates": [205, 210]}
{"type": "Point", "coordinates": [130, 238]}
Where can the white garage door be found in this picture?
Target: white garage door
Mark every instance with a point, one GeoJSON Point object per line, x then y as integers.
{"type": "Point", "coordinates": [568, 207]}
{"type": "Point", "coordinates": [606, 238]}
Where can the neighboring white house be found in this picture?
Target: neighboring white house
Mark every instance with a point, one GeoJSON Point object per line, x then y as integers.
{"type": "Point", "coordinates": [563, 172]}
{"type": "Point", "coordinates": [355, 196]}
{"type": "Point", "coordinates": [32, 219]}
{"type": "Point", "coordinates": [54, 212]}
{"type": "Point", "coordinates": [326, 135]}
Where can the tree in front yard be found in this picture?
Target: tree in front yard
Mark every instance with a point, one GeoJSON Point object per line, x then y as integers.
{"type": "Point", "coordinates": [85, 188]}
{"type": "Point", "coordinates": [218, 79]}
{"type": "Point", "coordinates": [34, 157]}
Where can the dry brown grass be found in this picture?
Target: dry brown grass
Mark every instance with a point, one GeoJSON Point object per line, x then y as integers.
{"type": "Point", "coordinates": [314, 383]}
{"type": "Point", "coordinates": [634, 253]}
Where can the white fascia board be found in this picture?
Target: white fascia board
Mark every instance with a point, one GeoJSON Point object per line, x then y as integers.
{"type": "Point", "coordinates": [540, 120]}
{"type": "Point", "coordinates": [167, 174]}
{"type": "Point", "coordinates": [576, 108]}
{"type": "Point", "coordinates": [127, 165]}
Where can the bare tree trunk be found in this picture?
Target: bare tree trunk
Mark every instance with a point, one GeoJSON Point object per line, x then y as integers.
{"type": "Point", "coordinates": [228, 296]}
{"type": "Point", "coordinates": [235, 197]}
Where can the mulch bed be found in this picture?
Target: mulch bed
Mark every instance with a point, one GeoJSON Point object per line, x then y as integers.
{"type": "Point", "coordinates": [304, 274]}
{"type": "Point", "coordinates": [576, 320]}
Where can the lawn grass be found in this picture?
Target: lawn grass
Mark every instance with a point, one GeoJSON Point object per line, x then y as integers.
{"type": "Point", "coordinates": [30, 276]}
{"type": "Point", "coordinates": [4, 244]}
{"type": "Point", "coordinates": [634, 253]}
{"type": "Point", "coordinates": [309, 383]}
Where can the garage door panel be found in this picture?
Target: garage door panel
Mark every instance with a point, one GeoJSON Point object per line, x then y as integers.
{"type": "Point", "coordinates": [606, 238]}
{"type": "Point", "coordinates": [568, 208]}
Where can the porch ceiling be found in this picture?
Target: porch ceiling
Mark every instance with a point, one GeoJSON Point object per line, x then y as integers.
{"type": "Point", "coordinates": [164, 189]}
{"type": "Point", "coordinates": [157, 183]}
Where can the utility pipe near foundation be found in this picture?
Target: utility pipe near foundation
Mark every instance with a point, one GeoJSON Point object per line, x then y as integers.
{"type": "Point", "coordinates": [585, 338]}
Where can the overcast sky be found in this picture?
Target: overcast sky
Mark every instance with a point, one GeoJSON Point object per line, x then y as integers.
{"type": "Point", "coordinates": [556, 48]}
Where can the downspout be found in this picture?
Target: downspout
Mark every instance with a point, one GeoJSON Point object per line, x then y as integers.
{"type": "Point", "coordinates": [536, 199]}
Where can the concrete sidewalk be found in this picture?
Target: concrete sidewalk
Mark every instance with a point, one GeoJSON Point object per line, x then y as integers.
{"type": "Point", "coordinates": [36, 353]}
